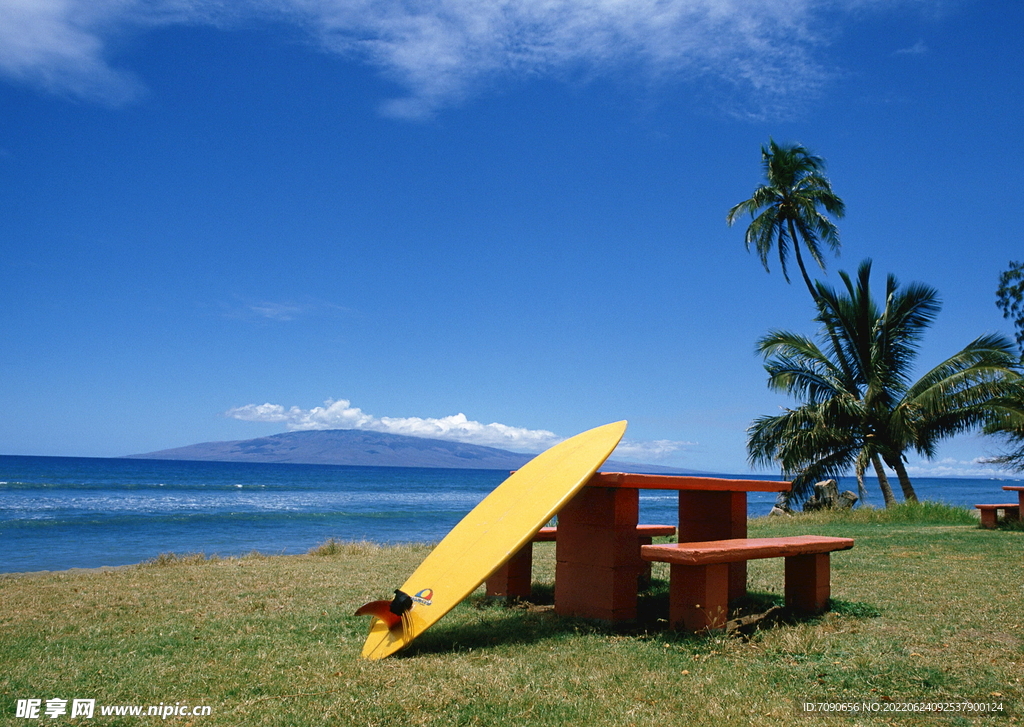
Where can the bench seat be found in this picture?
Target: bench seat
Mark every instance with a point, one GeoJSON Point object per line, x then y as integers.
{"type": "Point", "coordinates": [515, 578]}
{"type": "Point", "coordinates": [990, 513]}
{"type": "Point", "coordinates": [699, 575]}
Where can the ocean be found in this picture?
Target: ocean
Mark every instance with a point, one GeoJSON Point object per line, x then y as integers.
{"type": "Point", "coordinates": [68, 512]}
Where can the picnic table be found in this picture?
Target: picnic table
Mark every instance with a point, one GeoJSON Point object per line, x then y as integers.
{"type": "Point", "coordinates": [596, 552]}
{"type": "Point", "coordinates": [1011, 511]}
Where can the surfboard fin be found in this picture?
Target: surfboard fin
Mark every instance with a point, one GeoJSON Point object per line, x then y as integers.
{"type": "Point", "coordinates": [381, 610]}
{"type": "Point", "coordinates": [393, 613]}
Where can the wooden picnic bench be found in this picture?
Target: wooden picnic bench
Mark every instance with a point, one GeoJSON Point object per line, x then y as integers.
{"type": "Point", "coordinates": [1011, 510]}
{"type": "Point", "coordinates": [515, 578]}
{"type": "Point", "coordinates": [990, 513]}
{"type": "Point", "coordinates": [699, 574]}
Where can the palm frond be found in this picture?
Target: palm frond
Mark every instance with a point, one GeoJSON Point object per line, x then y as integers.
{"type": "Point", "coordinates": [786, 210]}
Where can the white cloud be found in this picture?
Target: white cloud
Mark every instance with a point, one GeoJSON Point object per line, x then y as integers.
{"type": "Point", "coordinates": [445, 49]}
{"type": "Point", "coordinates": [341, 414]}
{"type": "Point", "coordinates": [648, 451]}
{"type": "Point", "coordinates": [951, 467]}
{"type": "Point", "coordinates": [440, 51]}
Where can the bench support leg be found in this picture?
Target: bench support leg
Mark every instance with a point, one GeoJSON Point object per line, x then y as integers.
{"type": "Point", "coordinates": [716, 516]}
{"type": "Point", "coordinates": [515, 578]}
{"type": "Point", "coordinates": [807, 582]}
{"type": "Point", "coordinates": [698, 597]}
{"type": "Point", "coordinates": [990, 514]}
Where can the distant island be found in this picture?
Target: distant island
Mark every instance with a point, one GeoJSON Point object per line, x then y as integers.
{"type": "Point", "coordinates": [368, 449]}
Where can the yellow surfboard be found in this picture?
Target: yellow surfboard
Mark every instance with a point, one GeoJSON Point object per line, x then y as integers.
{"type": "Point", "coordinates": [486, 538]}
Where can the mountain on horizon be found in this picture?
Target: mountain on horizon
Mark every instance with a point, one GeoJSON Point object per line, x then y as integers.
{"type": "Point", "coordinates": [368, 449]}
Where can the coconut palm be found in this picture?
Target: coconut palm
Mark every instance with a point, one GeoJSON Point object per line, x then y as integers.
{"type": "Point", "coordinates": [832, 431]}
{"type": "Point", "coordinates": [1010, 298]}
{"type": "Point", "coordinates": [1007, 420]}
{"type": "Point", "coordinates": [859, 406]}
{"type": "Point", "coordinates": [1007, 423]}
{"type": "Point", "coordinates": [786, 211]}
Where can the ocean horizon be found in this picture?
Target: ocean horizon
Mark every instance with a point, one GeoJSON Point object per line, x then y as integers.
{"type": "Point", "coordinates": [58, 513]}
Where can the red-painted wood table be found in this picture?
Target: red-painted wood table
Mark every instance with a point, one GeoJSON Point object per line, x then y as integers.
{"type": "Point", "coordinates": [1020, 495]}
{"type": "Point", "coordinates": [597, 559]}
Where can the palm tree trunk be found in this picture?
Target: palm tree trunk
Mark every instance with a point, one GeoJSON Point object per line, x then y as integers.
{"type": "Point", "coordinates": [817, 302]}
{"type": "Point", "coordinates": [883, 482]}
{"type": "Point", "coordinates": [901, 471]}
{"type": "Point", "coordinates": [861, 489]}
{"type": "Point", "coordinates": [800, 261]}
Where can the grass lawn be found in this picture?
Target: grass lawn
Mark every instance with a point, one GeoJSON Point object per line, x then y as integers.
{"type": "Point", "coordinates": [928, 608]}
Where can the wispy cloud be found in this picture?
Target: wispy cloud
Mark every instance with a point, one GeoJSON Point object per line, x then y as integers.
{"type": "Point", "coordinates": [441, 51]}
{"type": "Point", "coordinates": [919, 48]}
{"type": "Point", "coordinates": [340, 414]}
{"type": "Point", "coordinates": [280, 311]}
{"type": "Point", "coordinates": [59, 45]}
{"type": "Point", "coordinates": [276, 311]}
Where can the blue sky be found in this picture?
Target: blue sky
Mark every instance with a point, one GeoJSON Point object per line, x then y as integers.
{"type": "Point", "coordinates": [497, 222]}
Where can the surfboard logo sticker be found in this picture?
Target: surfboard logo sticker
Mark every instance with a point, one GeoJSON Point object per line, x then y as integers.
{"type": "Point", "coordinates": [424, 597]}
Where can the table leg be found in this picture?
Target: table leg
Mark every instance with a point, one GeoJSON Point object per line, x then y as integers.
{"type": "Point", "coordinates": [707, 515]}
{"type": "Point", "coordinates": [597, 563]}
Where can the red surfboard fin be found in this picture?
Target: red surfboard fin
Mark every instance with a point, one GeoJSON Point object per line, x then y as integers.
{"type": "Point", "coordinates": [381, 610]}
{"type": "Point", "coordinates": [392, 613]}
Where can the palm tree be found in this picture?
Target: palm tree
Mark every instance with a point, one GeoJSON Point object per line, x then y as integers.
{"type": "Point", "coordinates": [860, 407]}
{"type": "Point", "coordinates": [1010, 298]}
{"type": "Point", "coordinates": [787, 210]}
{"type": "Point", "coordinates": [1007, 420]}
{"type": "Point", "coordinates": [1007, 423]}
{"type": "Point", "coordinates": [832, 431]}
